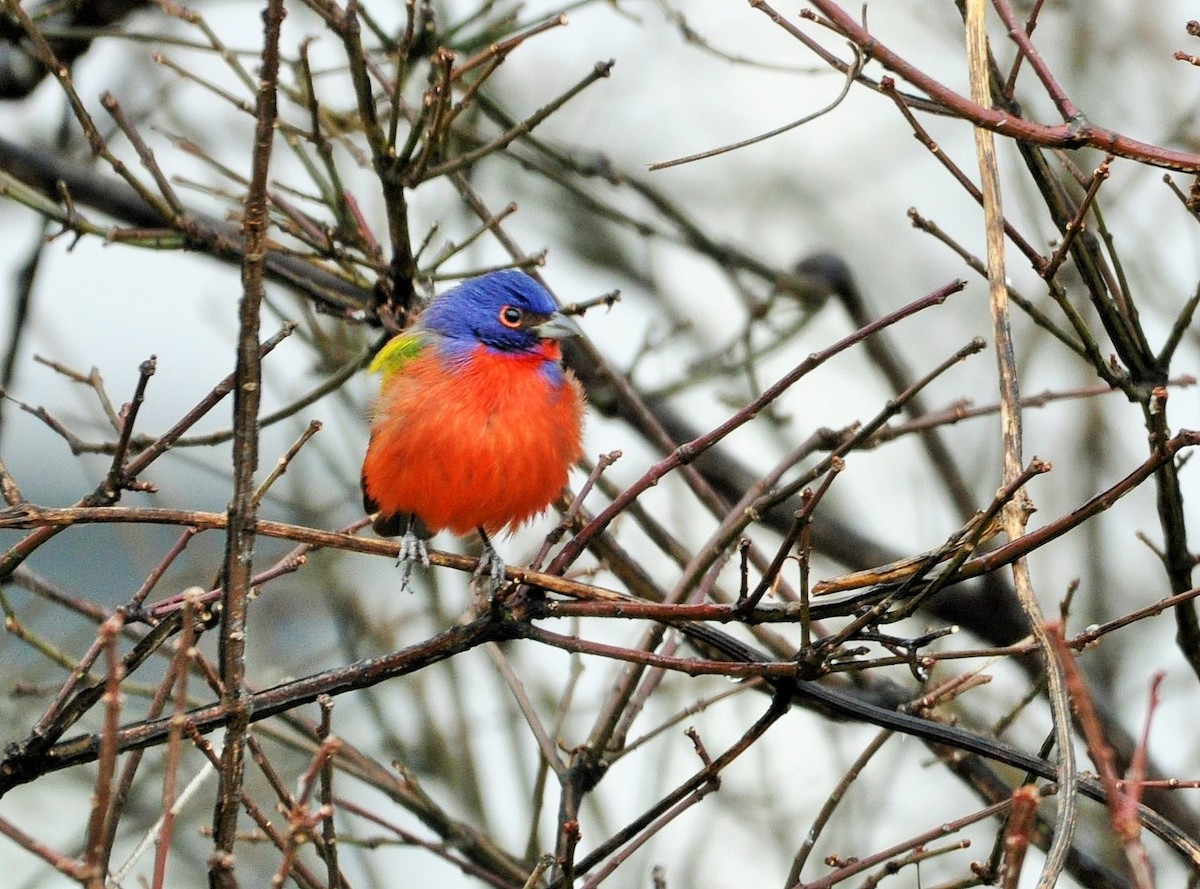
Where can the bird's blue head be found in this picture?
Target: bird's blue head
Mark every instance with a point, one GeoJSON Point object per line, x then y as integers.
{"type": "Point", "coordinates": [506, 310]}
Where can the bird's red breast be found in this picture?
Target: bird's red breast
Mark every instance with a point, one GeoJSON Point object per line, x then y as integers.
{"type": "Point", "coordinates": [484, 442]}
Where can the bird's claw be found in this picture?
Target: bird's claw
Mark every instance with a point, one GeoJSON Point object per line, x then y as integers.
{"type": "Point", "coordinates": [412, 549]}
{"type": "Point", "coordinates": [491, 567]}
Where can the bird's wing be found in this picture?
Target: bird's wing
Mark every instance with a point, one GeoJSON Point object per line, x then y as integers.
{"type": "Point", "coordinates": [398, 352]}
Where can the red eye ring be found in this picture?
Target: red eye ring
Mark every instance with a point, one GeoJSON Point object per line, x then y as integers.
{"type": "Point", "coordinates": [511, 317]}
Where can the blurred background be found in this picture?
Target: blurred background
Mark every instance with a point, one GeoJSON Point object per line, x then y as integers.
{"type": "Point", "coordinates": [712, 310]}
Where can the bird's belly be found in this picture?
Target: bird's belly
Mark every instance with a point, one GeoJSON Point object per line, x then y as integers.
{"type": "Point", "coordinates": [480, 449]}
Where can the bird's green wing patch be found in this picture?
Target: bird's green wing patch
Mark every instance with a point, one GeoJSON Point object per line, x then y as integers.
{"type": "Point", "coordinates": [397, 353]}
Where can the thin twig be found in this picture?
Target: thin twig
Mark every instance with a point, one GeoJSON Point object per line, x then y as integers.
{"type": "Point", "coordinates": [1016, 512]}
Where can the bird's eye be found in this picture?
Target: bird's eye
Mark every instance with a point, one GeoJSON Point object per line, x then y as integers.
{"type": "Point", "coordinates": [511, 316]}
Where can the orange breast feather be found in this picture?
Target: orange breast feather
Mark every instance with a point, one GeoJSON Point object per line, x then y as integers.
{"type": "Point", "coordinates": [488, 445]}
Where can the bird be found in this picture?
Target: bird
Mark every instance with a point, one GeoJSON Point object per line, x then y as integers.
{"type": "Point", "coordinates": [477, 423]}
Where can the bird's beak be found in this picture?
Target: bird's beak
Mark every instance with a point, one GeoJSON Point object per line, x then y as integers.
{"type": "Point", "coordinates": [556, 327]}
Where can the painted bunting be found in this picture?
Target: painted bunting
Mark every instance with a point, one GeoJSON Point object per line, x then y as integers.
{"type": "Point", "coordinates": [477, 422]}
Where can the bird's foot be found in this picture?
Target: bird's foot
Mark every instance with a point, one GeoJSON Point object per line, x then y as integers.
{"type": "Point", "coordinates": [412, 549]}
{"type": "Point", "coordinates": [491, 566]}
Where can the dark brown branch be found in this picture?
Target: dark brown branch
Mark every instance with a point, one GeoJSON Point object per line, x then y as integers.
{"type": "Point", "coordinates": [247, 396]}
